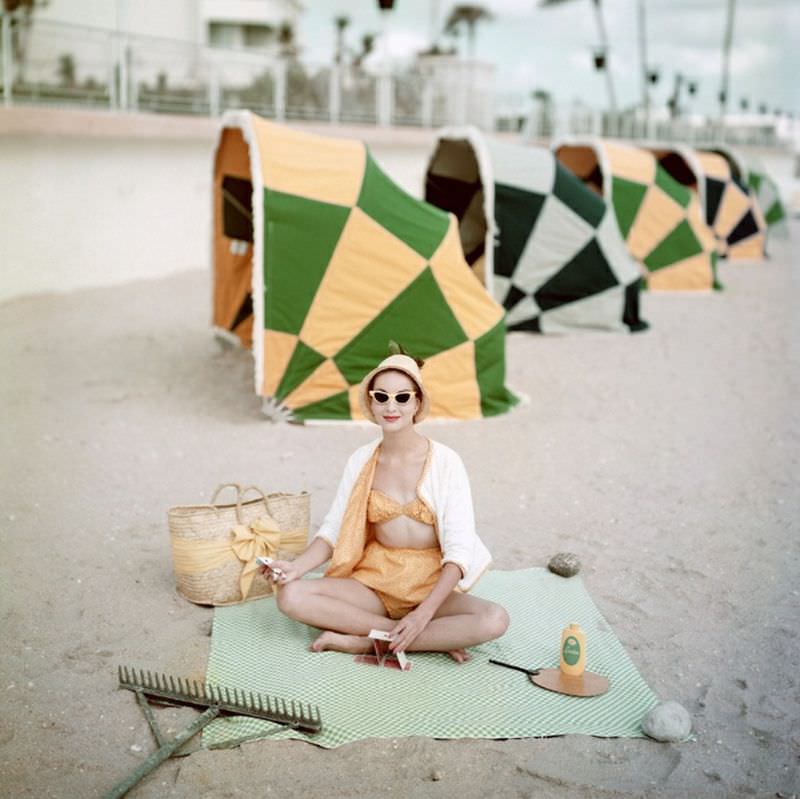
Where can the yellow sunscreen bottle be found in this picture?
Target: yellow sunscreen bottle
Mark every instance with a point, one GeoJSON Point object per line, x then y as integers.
{"type": "Point", "coordinates": [573, 650]}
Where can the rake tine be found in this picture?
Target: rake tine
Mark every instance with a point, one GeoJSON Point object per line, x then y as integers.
{"type": "Point", "coordinates": [231, 700]}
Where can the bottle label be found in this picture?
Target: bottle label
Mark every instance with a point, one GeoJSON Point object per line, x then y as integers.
{"type": "Point", "coordinates": [571, 651]}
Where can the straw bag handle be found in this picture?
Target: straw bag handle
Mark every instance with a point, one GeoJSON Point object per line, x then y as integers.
{"type": "Point", "coordinates": [221, 487]}
{"type": "Point", "coordinates": [242, 492]}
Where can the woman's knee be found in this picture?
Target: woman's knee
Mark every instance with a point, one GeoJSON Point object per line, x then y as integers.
{"type": "Point", "coordinates": [495, 621]}
{"type": "Point", "coordinates": [289, 598]}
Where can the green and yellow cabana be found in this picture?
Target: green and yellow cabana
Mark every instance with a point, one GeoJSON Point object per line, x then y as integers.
{"type": "Point", "coordinates": [660, 219]}
{"type": "Point", "coordinates": [732, 211]}
{"type": "Point", "coordinates": [320, 260]}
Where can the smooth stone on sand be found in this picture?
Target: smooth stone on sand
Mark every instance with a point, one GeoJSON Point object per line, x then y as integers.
{"type": "Point", "coordinates": [565, 564]}
{"type": "Point", "coordinates": [667, 721]}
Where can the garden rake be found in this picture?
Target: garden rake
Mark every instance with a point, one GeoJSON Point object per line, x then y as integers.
{"type": "Point", "coordinates": [216, 700]}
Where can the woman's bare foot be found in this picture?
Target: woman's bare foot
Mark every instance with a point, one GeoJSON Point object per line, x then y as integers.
{"type": "Point", "coordinates": [459, 655]}
{"type": "Point", "coordinates": [338, 642]}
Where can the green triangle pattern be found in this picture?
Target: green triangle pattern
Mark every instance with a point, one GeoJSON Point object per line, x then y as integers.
{"type": "Point", "coordinates": [300, 238]}
{"type": "Point", "coordinates": [335, 407]}
{"type": "Point", "coordinates": [490, 369]}
{"type": "Point", "coordinates": [672, 188]}
{"type": "Point", "coordinates": [577, 196]}
{"type": "Point", "coordinates": [627, 197]}
{"type": "Point", "coordinates": [419, 318]}
{"type": "Point", "coordinates": [680, 244]}
{"type": "Point", "coordinates": [303, 362]}
{"type": "Point", "coordinates": [421, 226]}
{"type": "Point", "coordinates": [775, 214]}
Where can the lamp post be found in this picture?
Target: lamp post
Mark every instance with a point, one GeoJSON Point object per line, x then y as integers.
{"type": "Point", "coordinates": [384, 93]}
{"type": "Point", "coordinates": [8, 61]}
{"type": "Point", "coordinates": [643, 65]}
{"type": "Point", "coordinates": [601, 27]}
{"type": "Point", "coordinates": [726, 59]}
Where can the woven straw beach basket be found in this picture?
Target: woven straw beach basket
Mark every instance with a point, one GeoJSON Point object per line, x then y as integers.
{"type": "Point", "coordinates": [207, 570]}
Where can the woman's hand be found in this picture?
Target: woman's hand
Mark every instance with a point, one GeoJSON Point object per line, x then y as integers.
{"type": "Point", "coordinates": [281, 572]}
{"type": "Point", "coordinates": [408, 628]}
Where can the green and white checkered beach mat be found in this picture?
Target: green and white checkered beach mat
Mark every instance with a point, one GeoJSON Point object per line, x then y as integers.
{"type": "Point", "coordinates": [255, 648]}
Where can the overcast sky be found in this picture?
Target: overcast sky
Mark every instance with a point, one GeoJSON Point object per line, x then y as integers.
{"type": "Point", "coordinates": [551, 48]}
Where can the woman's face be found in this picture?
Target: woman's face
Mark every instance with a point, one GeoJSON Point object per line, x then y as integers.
{"type": "Point", "coordinates": [392, 415]}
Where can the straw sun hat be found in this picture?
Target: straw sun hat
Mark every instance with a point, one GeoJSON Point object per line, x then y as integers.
{"type": "Point", "coordinates": [395, 363]}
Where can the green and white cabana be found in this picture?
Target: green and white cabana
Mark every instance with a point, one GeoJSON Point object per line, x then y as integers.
{"type": "Point", "coordinates": [547, 247]}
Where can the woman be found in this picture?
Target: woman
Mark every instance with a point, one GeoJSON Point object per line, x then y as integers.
{"type": "Point", "coordinates": [400, 537]}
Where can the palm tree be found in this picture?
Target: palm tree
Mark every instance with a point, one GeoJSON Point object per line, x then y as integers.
{"type": "Point", "coordinates": [21, 29]}
{"type": "Point", "coordinates": [286, 39]}
{"type": "Point", "coordinates": [470, 16]}
{"type": "Point", "coordinates": [603, 61]}
{"type": "Point", "coordinates": [341, 24]}
{"type": "Point", "coordinates": [367, 46]}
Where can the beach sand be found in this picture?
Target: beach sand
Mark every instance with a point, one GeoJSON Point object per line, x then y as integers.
{"type": "Point", "coordinates": [668, 461]}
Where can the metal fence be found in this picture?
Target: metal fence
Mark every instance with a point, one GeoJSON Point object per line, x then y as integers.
{"type": "Point", "coordinates": [546, 121]}
{"type": "Point", "coordinates": [49, 63]}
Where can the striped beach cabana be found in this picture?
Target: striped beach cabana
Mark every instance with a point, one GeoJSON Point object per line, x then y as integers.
{"type": "Point", "coordinates": [768, 198]}
{"type": "Point", "coordinates": [732, 211]}
{"type": "Point", "coordinates": [660, 219]}
{"type": "Point", "coordinates": [751, 172]}
{"type": "Point", "coordinates": [320, 260]}
{"type": "Point", "coordinates": [546, 246]}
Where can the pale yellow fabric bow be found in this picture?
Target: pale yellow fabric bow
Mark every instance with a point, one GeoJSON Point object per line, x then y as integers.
{"type": "Point", "coordinates": [260, 538]}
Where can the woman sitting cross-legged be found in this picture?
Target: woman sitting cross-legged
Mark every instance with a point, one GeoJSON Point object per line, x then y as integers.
{"type": "Point", "coordinates": [400, 537]}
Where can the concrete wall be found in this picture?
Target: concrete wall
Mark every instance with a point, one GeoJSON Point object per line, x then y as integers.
{"type": "Point", "coordinates": [92, 199]}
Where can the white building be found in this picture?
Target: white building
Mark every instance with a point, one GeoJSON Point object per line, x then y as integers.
{"type": "Point", "coordinates": [164, 38]}
{"type": "Point", "coordinates": [233, 24]}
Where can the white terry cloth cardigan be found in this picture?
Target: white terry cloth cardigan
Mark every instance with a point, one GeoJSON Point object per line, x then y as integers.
{"type": "Point", "coordinates": [445, 489]}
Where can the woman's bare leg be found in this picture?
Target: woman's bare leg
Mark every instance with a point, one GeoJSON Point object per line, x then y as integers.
{"type": "Point", "coordinates": [461, 621]}
{"type": "Point", "coordinates": [343, 608]}
{"type": "Point", "coordinates": [346, 611]}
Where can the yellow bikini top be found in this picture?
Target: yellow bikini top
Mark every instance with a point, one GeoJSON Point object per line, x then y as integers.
{"type": "Point", "coordinates": [381, 508]}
